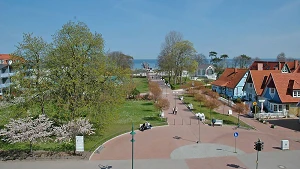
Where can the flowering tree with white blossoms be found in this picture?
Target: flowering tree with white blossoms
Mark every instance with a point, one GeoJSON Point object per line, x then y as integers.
{"type": "Point", "coordinates": [27, 130]}
{"type": "Point", "coordinates": [68, 132]}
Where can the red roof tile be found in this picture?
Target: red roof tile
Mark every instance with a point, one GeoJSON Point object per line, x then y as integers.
{"type": "Point", "coordinates": [230, 77]}
{"type": "Point", "coordinates": [267, 65]}
{"type": "Point", "coordinates": [260, 78]}
{"type": "Point", "coordinates": [5, 57]}
{"type": "Point", "coordinates": [282, 82]}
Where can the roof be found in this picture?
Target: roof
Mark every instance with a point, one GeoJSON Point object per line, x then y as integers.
{"type": "Point", "coordinates": [230, 77]}
{"type": "Point", "coordinates": [3, 65]}
{"type": "Point", "coordinates": [260, 78]}
{"type": "Point", "coordinates": [204, 66]}
{"type": "Point", "coordinates": [284, 84]}
{"type": "Point", "coordinates": [293, 65]}
{"type": "Point", "coordinates": [267, 65]}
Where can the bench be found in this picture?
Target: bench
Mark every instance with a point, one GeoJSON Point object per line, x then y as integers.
{"type": "Point", "coordinates": [190, 106]}
{"type": "Point", "coordinates": [219, 122]}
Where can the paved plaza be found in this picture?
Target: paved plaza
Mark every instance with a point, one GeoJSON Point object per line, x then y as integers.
{"type": "Point", "coordinates": [175, 146]}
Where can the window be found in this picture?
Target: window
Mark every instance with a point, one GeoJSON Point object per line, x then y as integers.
{"type": "Point", "coordinates": [280, 107]}
{"type": "Point", "coordinates": [296, 93]}
{"type": "Point", "coordinates": [1, 61]}
{"type": "Point", "coordinates": [287, 107]}
{"type": "Point", "coordinates": [284, 70]}
{"type": "Point", "coordinates": [272, 90]}
{"type": "Point", "coordinates": [250, 85]}
{"type": "Point", "coordinates": [275, 107]}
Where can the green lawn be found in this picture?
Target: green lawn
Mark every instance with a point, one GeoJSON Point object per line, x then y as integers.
{"type": "Point", "coordinates": [230, 120]}
{"type": "Point", "coordinates": [136, 112]}
{"type": "Point", "coordinates": [141, 84]}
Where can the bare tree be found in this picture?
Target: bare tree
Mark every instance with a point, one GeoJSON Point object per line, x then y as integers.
{"type": "Point", "coordinates": [200, 58]}
{"type": "Point", "coordinates": [201, 98]}
{"type": "Point", "coordinates": [281, 57]}
{"type": "Point", "coordinates": [155, 90]}
{"type": "Point", "coordinates": [242, 61]}
{"type": "Point", "coordinates": [165, 61]}
{"type": "Point", "coordinates": [162, 104]}
{"type": "Point", "coordinates": [27, 130]}
{"type": "Point", "coordinates": [211, 104]}
{"type": "Point", "coordinates": [240, 108]}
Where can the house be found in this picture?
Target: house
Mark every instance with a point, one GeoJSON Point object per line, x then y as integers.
{"type": "Point", "coordinates": [255, 83]}
{"type": "Point", "coordinates": [231, 83]}
{"type": "Point", "coordinates": [285, 67]}
{"type": "Point", "coordinates": [282, 93]}
{"type": "Point", "coordinates": [6, 72]}
{"type": "Point", "coordinates": [206, 71]}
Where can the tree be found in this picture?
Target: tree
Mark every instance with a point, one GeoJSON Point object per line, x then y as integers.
{"type": "Point", "coordinates": [183, 52]}
{"type": "Point", "coordinates": [86, 82]}
{"type": "Point", "coordinates": [281, 57]}
{"type": "Point", "coordinates": [224, 57]}
{"type": "Point", "coordinates": [240, 108]}
{"type": "Point", "coordinates": [165, 58]}
{"type": "Point", "coordinates": [155, 90]}
{"type": "Point", "coordinates": [27, 130]}
{"type": "Point", "coordinates": [211, 104]}
{"type": "Point", "coordinates": [122, 60]}
{"type": "Point", "coordinates": [31, 75]}
{"type": "Point", "coordinates": [212, 54]}
{"type": "Point", "coordinates": [162, 104]}
{"type": "Point", "coordinates": [192, 68]}
{"type": "Point", "coordinates": [242, 61]}
{"type": "Point", "coordinates": [200, 58]}
{"type": "Point", "coordinates": [200, 98]}
{"type": "Point", "coordinates": [68, 132]}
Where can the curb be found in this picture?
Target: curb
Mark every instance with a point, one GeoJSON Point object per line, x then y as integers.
{"type": "Point", "coordinates": [117, 137]}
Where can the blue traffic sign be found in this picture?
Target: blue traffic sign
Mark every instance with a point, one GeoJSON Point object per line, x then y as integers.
{"type": "Point", "coordinates": [235, 134]}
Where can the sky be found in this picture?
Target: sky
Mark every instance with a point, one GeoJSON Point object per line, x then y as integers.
{"type": "Point", "coordinates": [257, 28]}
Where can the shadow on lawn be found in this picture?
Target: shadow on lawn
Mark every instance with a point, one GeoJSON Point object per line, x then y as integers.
{"type": "Point", "coordinates": [147, 104]}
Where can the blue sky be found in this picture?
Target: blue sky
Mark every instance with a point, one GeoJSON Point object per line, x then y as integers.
{"type": "Point", "coordinates": [257, 28]}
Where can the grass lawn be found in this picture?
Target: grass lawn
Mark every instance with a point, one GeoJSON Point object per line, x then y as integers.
{"type": "Point", "coordinates": [230, 120]}
{"type": "Point", "coordinates": [136, 112]}
{"type": "Point", "coordinates": [141, 84]}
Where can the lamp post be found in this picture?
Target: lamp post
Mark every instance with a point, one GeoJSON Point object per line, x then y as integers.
{"type": "Point", "coordinates": [199, 129]}
{"type": "Point", "coordinates": [132, 141]}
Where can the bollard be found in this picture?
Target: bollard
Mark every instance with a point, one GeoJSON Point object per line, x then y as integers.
{"type": "Point", "coordinates": [190, 121]}
{"type": "Point", "coordinates": [182, 121]}
{"type": "Point", "coordinates": [174, 121]}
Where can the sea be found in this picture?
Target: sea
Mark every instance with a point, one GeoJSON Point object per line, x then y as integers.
{"type": "Point", "coordinates": [137, 63]}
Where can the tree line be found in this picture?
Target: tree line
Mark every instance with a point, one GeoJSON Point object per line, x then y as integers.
{"type": "Point", "coordinates": [178, 54]}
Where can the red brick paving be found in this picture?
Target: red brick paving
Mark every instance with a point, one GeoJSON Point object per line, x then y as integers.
{"type": "Point", "coordinates": [215, 163]}
{"type": "Point", "coordinates": [158, 143]}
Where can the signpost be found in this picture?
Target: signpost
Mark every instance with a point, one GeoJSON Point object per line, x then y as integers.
{"type": "Point", "coordinates": [235, 134]}
{"type": "Point", "coordinates": [79, 143]}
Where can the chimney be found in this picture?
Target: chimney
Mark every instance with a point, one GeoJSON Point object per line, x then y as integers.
{"type": "Point", "coordinates": [235, 70]}
{"type": "Point", "coordinates": [259, 66]}
{"type": "Point", "coordinates": [295, 64]}
{"type": "Point", "coordinates": [279, 66]}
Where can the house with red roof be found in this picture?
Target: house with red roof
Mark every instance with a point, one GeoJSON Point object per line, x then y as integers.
{"type": "Point", "coordinates": [231, 83]}
{"type": "Point", "coordinates": [282, 93]}
{"type": "Point", "coordinates": [285, 67]}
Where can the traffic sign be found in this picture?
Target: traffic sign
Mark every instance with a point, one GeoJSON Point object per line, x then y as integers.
{"type": "Point", "coordinates": [235, 134]}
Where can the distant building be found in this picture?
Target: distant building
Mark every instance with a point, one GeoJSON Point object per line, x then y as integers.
{"type": "Point", "coordinates": [6, 71]}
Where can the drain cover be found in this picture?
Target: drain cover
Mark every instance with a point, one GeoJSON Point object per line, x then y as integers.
{"type": "Point", "coordinates": [281, 166]}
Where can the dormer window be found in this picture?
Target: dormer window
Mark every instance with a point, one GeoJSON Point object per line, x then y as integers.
{"type": "Point", "coordinates": [296, 93]}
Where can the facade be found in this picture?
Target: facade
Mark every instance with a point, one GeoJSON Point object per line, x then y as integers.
{"type": "Point", "coordinates": [6, 72]}
{"type": "Point", "coordinates": [206, 71]}
{"type": "Point", "coordinates": [231, 83]}
{"type": "Point", "coordinates": [282, 93]}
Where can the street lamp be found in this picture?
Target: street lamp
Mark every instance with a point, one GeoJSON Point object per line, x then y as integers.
{"type": "Point", "coordinates": [199, 128]}
{"type": "Point", "coordinates": [132, 140]}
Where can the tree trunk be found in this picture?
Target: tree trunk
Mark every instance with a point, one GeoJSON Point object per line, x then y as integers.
{"type": "Point", "coordinates": [30, 144]}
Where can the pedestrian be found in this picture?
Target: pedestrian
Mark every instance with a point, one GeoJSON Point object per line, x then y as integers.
{"type": "Point", "coordinates": [213, 122]}
{"type": "Point", "coordinates": [176, 110]}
